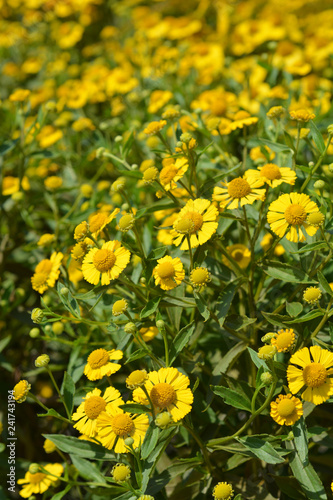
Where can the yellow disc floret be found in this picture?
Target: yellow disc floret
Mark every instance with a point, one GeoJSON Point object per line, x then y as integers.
{"type": "Point", "coordinates": [98, 358]}
{"type": "Point", "coordinates": [223, 491]}
{"type": "Point", "coordinates": [162, 395]}
{"type": "Point", "coordinates": [93, 406]}
{"type": "Point", "coordinates": [104, 260]}
{"type": "Point", "coordinates": [312, 294]}
{"type": "Point", "coordinates": [238, 188]}
{"type": "Point", "coordinates": [122, 424]}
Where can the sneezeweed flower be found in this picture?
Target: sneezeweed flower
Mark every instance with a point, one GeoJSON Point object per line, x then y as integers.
{"type": "Point", "coordinates": [240, 254]}
{"type": "Point", "coordinates": [301, 115]}
{"type": "Point", "coordinates": [275, 112]}
{"type": "Point", "coordinates": [94, 404]}
{"type": "Point", "coordinates": [154, 127]}
{"type": "Point", "coordinates": [39, 482]}
{"type": "Point", "coordinates": [239, 191]}
{"type": "Point", "coordinates": [118, 185]}
{"type": "Point", "coordinates": [286, 410]}
{"type": "Point", "coordinates": [100, 220]}
{"type": "Point", "coordinates": [200, 276]}
{"type": "Point", "coordinates": [81, 231]}
{"type": "Point", "coordinates": [119, 307]}
{"type": "Point", "coordinates": [312, 294]}
{"type": "Point", "coordinates": [168, 390]}
{"type": "Point", "coordinates": [99, 363]}
{"type": "Point", "coordinates": [150, 175]}
{"type": "Point", "coordinates": [289, 213]}
{"type": "Point", "coordinates": [284, 340]}
{"type": "Point", "coordinates": [169, 272]}
{"type": "Point", "coordinates": [315, 219]}
{"type": "Point", "coordinates": [114, 426]}
{"type": "Point", "coordinates": [47, 273]}
{"type": "Point", "coordinates": [46, 239]}
{"type": "Point", "coordinates": [172, 172]}
{"type": "Point", "coordinates": [126, 222]}
{"type": "Point", "coordinates": [148, 333]}
{"type": "Point", "coordinates": [120, 473]}
{"type": "Point", "coordinates": [21, 390]}
{"type": "Point", "coordinates": [257, 154]}
{"type": "Point", "coordinates": [49, 446]}
{"type": "Point", "coordinates": [272, 175]}
{"type": "Point", "coordinates": [136, 379]}
{"type": "Point", "coordinates": [42, 360]}
{"type": "Point", "coordinates": [81, 248]}
{"type": "Point", "coordinates": [313, 374]}
{"type": "Point", "coordinates": [146, 497]}
{"type": "Point", "coordinates": [266, 352]}
{"type": "Point", "coordinates": [37, 315]}
{"type": "Point", "coordinates": [198, 220]}
{"type": "Point", "coordinates": [106, 263]}
{"type": "Point", "coordinates": [52, 183]}
{"type": "Point", "coordinates": [19, 95]}
{"type": "Point", "coordinates": [223, 491]}
{"type": "Point", "coordinates": [242, 119]}
{"type": "Point", "coordinates": [11, 185]}
{"type": "Point", "coordinates": [267, 242]}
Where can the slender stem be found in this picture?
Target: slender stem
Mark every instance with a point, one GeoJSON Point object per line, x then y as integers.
{"type": "Point", "coordinates": [150, 401]}
{"type": "Point", "coordinates": [201, 445]}
{"type": "Point", "coordinates": [58, 391]}
{"type": "Point", "coordinates": [317, 165]}
{"type": "Point", "coordinates": [324, 319]}
{"type": "Point", "coordinates": [188, 237]}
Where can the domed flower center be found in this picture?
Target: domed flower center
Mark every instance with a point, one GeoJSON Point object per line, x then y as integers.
{"type": "Point", "coordinates": [136, 378]}
{"type": "Point", "coordinates": [45, 266]}
{"type": "Point", "coordinates": [237, 255]}
{"type": "Point", "coordinates": [94, 406]}
{"type": "Point", "coordinates": [286, 408]}
{"type": "Point", "coordinates": [239, 188]}
{"type": "Point", "coordinates": [122, 424]}
{"type": "Point", "coordinates": [39, 279]}
{"type": "Point", "coordinates": [199, 276]}
{"type": "Point", "coordinates": [285, 340]}
{"type": "Point", "coordinates": [166, 270]}
{"type": "Point", "coordinates": [168, 173]}
{"type": "Point", "coordinates": [126, 222]}
{"type": "Point", "coordinates": [270, 171]}
{"type": "Point", "coordinates": [98, 358]}
{"type": "Point", "coordinates": [218, 108]}
{"type": "Point", "coordinates": [222, 491]}
{"type": "Point", "coordinates": [314, 375]}
{"type": "Point", "coordinates": [150, 174]}
{"type": "Point", "coordinates": [196, 218]}
{"type": "Point", "coordinates": [104, 260]}
{"type": "Point", "coordinates": [162, 395]}
{"type": "Point", "coordinates": [97, 221]}
{"type": "Point", "coordinates": [295, 214]}
{"type": "Point", "coordinates": [312, 294]}
{"type": "Point", "coordinates": [316, 218]}
{"type": "Point", "coordinates": [184, 226]}
{"type": "Point", "coordinates": [37, 478]}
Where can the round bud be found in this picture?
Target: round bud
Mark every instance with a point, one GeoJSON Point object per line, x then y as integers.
{"type": "Point", "coordinates": [58, 327]}
{"type": "Point", "coordinates": [34, 468]}
{"type": "Point", "coordinates": [160, 324]}
{"type": "Point", "coordinates": [118, 138]}
{"type": "Point", "coordinates": [311, 164]}
{"type": "Point", "coordinates": [143, 280]}
{"type": "Point", "coordinates": [34, 333]}
{"type": "Point", "coordinates": [42, 360]}
{"type": "Point", "coordinates": [319, 184]}
{"type": "Point", "coordinates": [266, 378]}
{"type": "Point", "coordinates": [64, 291]}
{"type": "Point", "coordinates": [129, 441]}
{"type": "Point", "coordinates": [134, 166]}
{"type": "Point", "coordinates": [37, 315]}
{"type": "Point", "coordinates": [48, 329]}
{"type": "Point", "coordinates": [186, 137]}
{"type": "Point", "coordinates": [130, 328]}
{"type": "Point", "coordinates": [330, 129]}
{"type": "Point", "coordinates": [330, 168]}
{"type": "Point", "coordinates": [17, 196]}
{"type": "Point", "coordinates": [100, 152]}
{"type": "Point", "coordinates": [179, 144]}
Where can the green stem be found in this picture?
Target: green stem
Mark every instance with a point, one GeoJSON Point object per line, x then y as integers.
{"type": "Point", "coordinates": [150, 401]}
{"type": "Point", "coordinates": [58, 391]}
{"type": "Point", "coordinates": [188, 237]}
{"type": "Point", "coordinates": [201, 445]}
{"type": "Point", "coordinates": [317, 165]}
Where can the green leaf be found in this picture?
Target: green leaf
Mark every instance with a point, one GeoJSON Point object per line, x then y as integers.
{"type": "Point", "coordinates": [256, 360]}
{"type": "Point", "coordinates": [4, 342]}
{"type": "Point", "coordinates": [202, 307]}
{"type": "Point", "coordinates": [180, 341]}
{"type": "Point", "coordinates": [287, 273]}
{"type": "Point", "coordinates": [232, 397]}
{"type": "Point", "coordinates": [223, 365]}
{"type": "Point", "coordinates": [68, 391]}
{"type": "Point", "coordinates": [159, 205]}
{"type": "Point", "coordinates": [261, 449]}
{"type": "Point", "coordinates": [307, 477]}
{"type": "Point", "coordinates": [307, 317]}
{"type": "Point", "coordinates": [222, 307]}
{"type": "Point", "coordinates": [301, 440]}
{"type": "Point", "coordinates": [87, 470]}
{"type": "Point", "coordinates": [79, 447]}
{"type": "Point", "coordinates": [238, 322]}
{"type": "Point", "coordinates": [311, 247]}
{"type": "Point", "coordinates": [157, 253]}
{"type": "Point", "coordinates": [61, 494]}
{"type": "Point", "coordinates": [324, 283]}
{"type": "Point", "coordinates": [274, 146]}
{"type": "Point", "coordinates": [5, 147]}
{"type": "Point", "coordinates": [317, 137]}
{"type": "Point", "coordinates": [150, 307]}
{"type": "Point", "coordinates": [150, 440]}
{"type": "Point", "coordinates": [52, 413]}
{"type": "Point", "coordinates": [135, 408]}
{"type": "Point", "coordinates": [290, 486]}
{"type": "Point", "coordinates": [294, 308]}
{"type": "Point", "coordinates": [140, 353]}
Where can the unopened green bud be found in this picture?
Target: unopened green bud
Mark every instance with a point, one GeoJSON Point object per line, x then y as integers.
{"type": "Point", "coordinates": [64, 291]}
{"type": "Point", "coordinates": [129, 441]}
{"type": "Point", "coordinates": [100, 152]}
{"type": "Point", "coordinates": [267, 337]}
{"type": "Point", "coordinates": [186, 137]}
{"type": "Point", "coordinates": [42, 360]}
{"type": "Point", "coordinates": [330, 129]}
{"type": "Point", "coordinates": [311, 164]}
{"type": "Point", "coordinates": [118, 185]}
{"type": "Point", "coordinates": [163, 420]}
{"type": "Point", "coordinates": [266, 352]}
{"type": "Point", "coordinates": [130, 328]}
{"type": "Point", "coordinates": [319, 184]}
{"type": "Point", "coordinates": [290, 436]}
{"type": "Point", "coordinates": [118, 138]}
{"type": "Point", "coordinates": [266, 378]}
{"type": "Point", "coordinates": [58, 327]}
{"type": "Point", "coordinates": [34, 468]}
{"type": "Point", "coordinates": [48, 329]}
{"type": "Point", "coordinates": [179, 144]}
{"type": "Point", "coordinates": [134, 166]}
{"type": "Point", "coordinates": [34, 333]}
{"type": "Point", "coordinates": [143, 280]}
{"type": "Point", "coordinates": [330, 168]}
{"type": "Point", "coordinates": [37, 315]}
{"type": "Point", "coordinates": [160, 324]}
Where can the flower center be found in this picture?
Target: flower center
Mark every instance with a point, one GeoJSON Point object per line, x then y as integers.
{"type": "Point", "coordinates": [314, 375]}
{"type": "Point", "coordinates": [316, 218]}
{"type": "Point", "coordinates": [237, 255]}
{"type": "Point", "coordinates": [137, 377]}
{"type": "Point", "coordinates": [222, 491]}
{"type": "Point", "coordinates": [126, 222]}
{"type": "Point", "coordinates": [44, 266]}
{"type": "Point", "coordinates": [239, 188]}
{"type": "Point", "coordinates": [97, 221]}
{"type": "Point", "coordinates": [166, 270]}
{"type": "Point", "coordinates": [122, 424]}
{"type": "Point", "coordinates": [104, 260]}
{"type": "Point", "coordinates": [40, 279]}
{"type": "Point", "coordinates": [295, 214]}
{"type": "Point", "coordinates": [94, 406]}
{"type": "Point", "coordinates": [196, 218]}
{"type": "Point", "coordinates": [184, 226]}
{"type": "Point", "coordinates": [98, 358]}
{"type": "Point", "coordinates": [162, 395]}
{"type": "Point", "coordinates": [286, 407]}
{"type": "Point", "coordinates": [167, 174]}
{"type": "Point", "coordinates": [312, 294]}
{"type": "Point", "coordinates": [285, 339]}
{"type": "Point", "coordinates": [37, 478]}
{"type": "Point", "coordinates": [199, 276]}
{"type": "Point", "coordinates": [270, 171]}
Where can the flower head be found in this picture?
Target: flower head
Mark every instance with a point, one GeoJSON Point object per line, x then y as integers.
{"type": "Point", "coordinates": [275, 112]}
{"type": "Point", "coordinates": [154, 127]}
{"type": "Point", "coordinates": [119, 307]}
{"type": "Point", "coordinates": [310, 369]}
{"type": "Point", "coordinates": [315, 219]}
{"type": "Point", "coordinates": [266, 351]}
{"type": "Point", "coordinates": [99, 363]}
{"type": "Point", "coordinates": [105, 263]}
{"type": "Point", "coordinates": [200, 276]}
{"type": "Point", "coordinates": [47, 273]}
{"type": "Point", "coordinates": [81, 231]}
{"type": "Point", "coordinates": [136, 379]}
{"type": "Point", "coordinates": [272, 175]}
{"type": "Point", "coordinates": [120, 473]}
{"type": "Point", "coordinates": [148, 333]}
{"type": "Point", "coordinates": [286, 410]}
{"type": "Point", "coordinates": [223, 491]}
{"type": "Point", "coordinates": [169, 272]}
{"type": "Point", "coordinates": [49, 446]}
{"type": "Point", "coordinates": [283, 340]}
{"type": "Point", "coordinates": [46, 239]}
{"type": "Point", "coordinates": [239, 191]}
{"type": "Point", "coordinates": [21, 390]}
{"type": "Point", "coordinates": [39, 482]}
{"type": "Point", "coordinates": [289, 213]}
{"type": "Point", "coordinates": [168, 390]}
{"type": "Point", "coordinates": [312, 294]}
{"type": "Point", "coordinates": [240, 254]}
{"type": "Point", "coordinates": [126, 222]}
{"type": "Point", "coordinates": [150, 175]}
{"type": "Point", "coordinates": [98, 221]}
{"type": "Point", "coordinates": [242, 119]}
{"type": "Point", "coordinates": [302, 115]}
{"type": "Point", "coordinates": [172, 171]}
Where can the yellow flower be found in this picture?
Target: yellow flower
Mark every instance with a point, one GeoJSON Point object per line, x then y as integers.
{"type": "Point", "coordinates": [48, 136]}
{"type": "Point", "coordinates": [136, 379]}
{"type": "Point", "coordinates": [39, 482]}
{"type": "Point", "coordinates": [105, 263]}
{"type": "Point", "coordinates": [283, 340]}
{"type": "Point", "coordinates": [81, 230]}
{"type": "Point", "coordinates": [169, 272]}
{"type": "Point", "coordinates": [119, 307]}
{"type": "Point", "coordinates": [289, 213]}
{"type": "Point", "coordinates": [223, 491]}
{"type": "Point", "coordinates": [11, 185]}
{"type": "Point", "coordinates": [164, 234]}
{"type": "Point", "coordinates": [172, 172]}
{"type": "Point", "coordinates": [286, 410]}
{"type": "Point", "coordinates": [47, 273]}
{"type": "Point", "coordinates": [19, 95]}
{"type": "Point", "coordinates": [154, 127]}
{"type": "Point", "coordinates": [302, 115]}
{"type": "Point", "coordinates": [148, 333]}
{"type": "Point", "coordinates": [99, 363]}
{"type": "Point", "coordinates": [267, 242]}
{"type": "Point", "coordinates": [81, 248]}
{"type": "Point", "coordinates": [266, 351]}
{"type": "Point", "coordinates": [150, 175]}
{"type": "Point", "coordinates": [313, 374]}
{"type": "Point", "coordinates": [21, 390]}
{"type": "Point", "coordinates": [114, 426]}
{"type": "Point", "coordinates": [257, 155]}
{"type": "Point", "coordinates": [168, 391]}
{"type": "Point", "coordinates": [242, 119]}
{"type": "Point", "coordinates": [53, 182]}
{"type": "Point", "coordinates": [120, 473]}
{"type": "Point", "coordinates": [275, 112]}
{"type": "Point", "coordinates": [88, 411]}
{"type": "Point", "coordinates": [49, 446]}
{"type": "Point", "coordinates": [272, 175]}
{"type": "Point", "coordinates": [312, 294]}
{"type": "Point", "coordinates": [98, 221]}
{"type": "Point", "coordinates": [315, 219]}
{"type": "Point", "coordinates": [239, 191]}
{"type": "Point", "coordinates": [83, 123]}
{"type": "Point", "coordinates": [46, 239]}
{"type": "Point", "coordinates": [158, 99]}
{"type": "Point", "coordinates": [240, 254]}
{"type": "Point", "coordinates": [199, 277]}
{"type": "Point", "coordinates": [126, 222]}
{"type": "Point", "coordinates": [198, 220]}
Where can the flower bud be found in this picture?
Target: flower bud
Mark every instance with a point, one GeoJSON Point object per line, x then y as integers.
{"type": "Point", "coordinates": [330, 129]}
{"type": "Point", "coordinates": [100, 152]}
{"type": "Point", "coordinates": [160, 324]}
{"type": "Point", "coordinates": [163, 420]}
{"type": "Point", "coordinates": [129, 441]}
{"type": "Point", "coordinates": [319, 184]}
{"type": "Point", "coordinates": [130, 328]}
{"type": "Point", "coordinates": [118, 185]}
{"type": "Point", "coordinates": [186, 137]}
{"type": "Point", "coordinates": [266, 378]}
{"type": "Point", "coordinates": [42, 360]}
{"type": "Point", "coordinates": [266, 352]}
{"type": "Point", "coordinates": [267, 337]}
{"type": "Point", "coordinates": [37, 315]}
{"type": "Point", "coordinates": [118, 138]}
{"type": "Point", "coordinates": [34, 468]}
{"type": "Point", "coordinates": [134, 166]}
{"type": "Point", "coordinates": [34, 333]}
{"type": "Point", "coordinates": [58, 327]}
